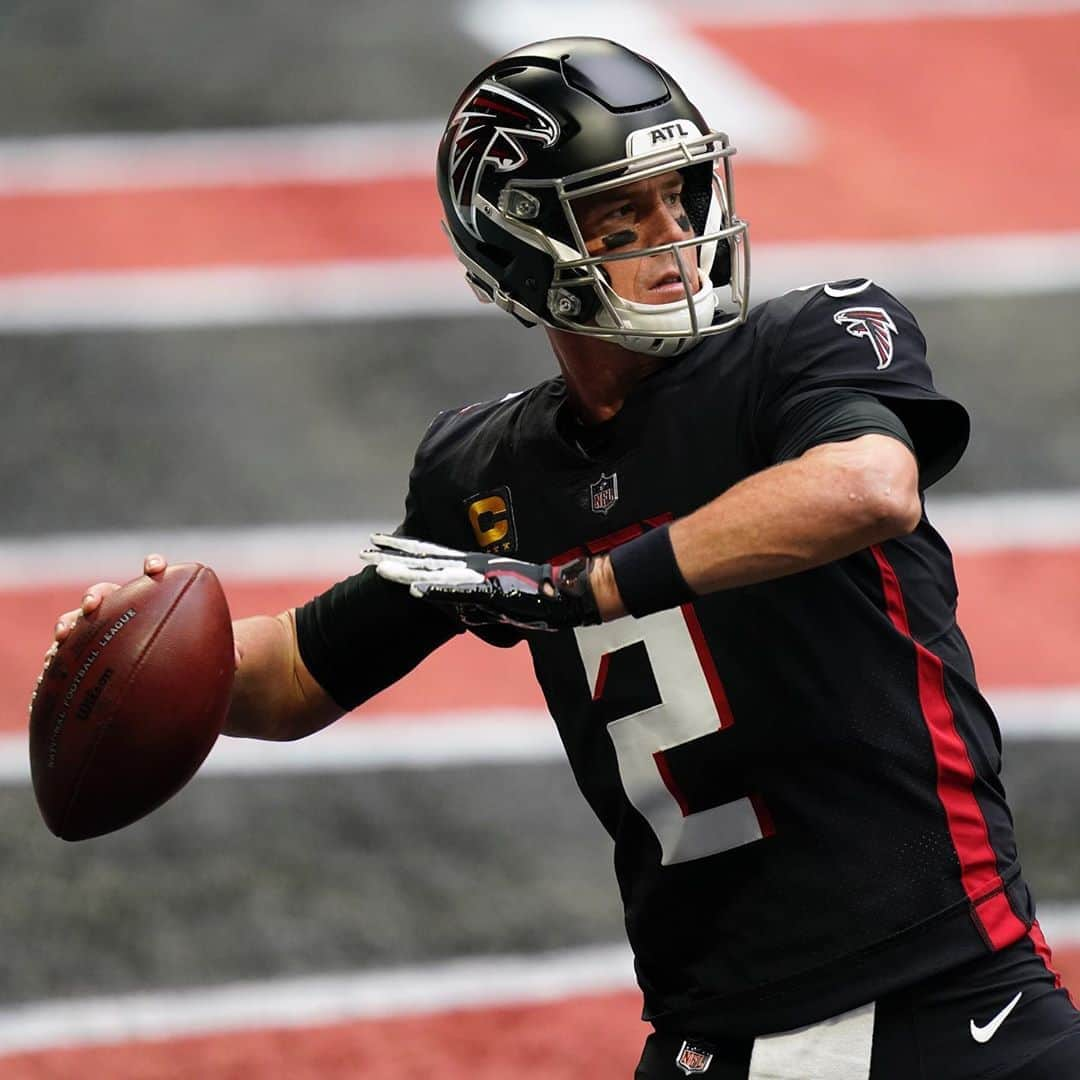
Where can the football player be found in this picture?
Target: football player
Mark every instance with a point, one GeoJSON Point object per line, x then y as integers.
{"type": "Point", "coordinates": [709, 529]}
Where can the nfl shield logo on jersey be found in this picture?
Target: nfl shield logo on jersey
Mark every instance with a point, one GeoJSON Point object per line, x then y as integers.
{"type": "Point", "coordinates": [693, 1059]}
{"type": "Point", "coordinates": [604, 494]}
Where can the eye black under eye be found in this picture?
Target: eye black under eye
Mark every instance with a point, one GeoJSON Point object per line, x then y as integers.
{"type": "Point", "coordinates": [619, 239]}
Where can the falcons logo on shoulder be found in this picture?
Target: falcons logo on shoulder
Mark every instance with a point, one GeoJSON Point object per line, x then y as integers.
{"type": "Point", "coordinates": [489, 129]}
{"type": "Point", "coordinates": [873, 323]}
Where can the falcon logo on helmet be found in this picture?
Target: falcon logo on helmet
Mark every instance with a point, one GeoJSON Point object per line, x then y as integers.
{"type": "Point", "coordinates": [490, 128]}
{"type": "Point", "coordinates": [873, 323]}
{"type": "Point", "coordinates": [533, 139]}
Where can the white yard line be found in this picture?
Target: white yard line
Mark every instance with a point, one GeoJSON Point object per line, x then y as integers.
{"type": "Point", "coordinates": [368, 289]}
{"type": "Point", "coordinates": [1061, 924]}
{"type": "Point", "coordinates": [985, 265]}
{"type": "Point", "coordinates": [499, 737]}
{"type": "Point", "coordinates": [1032, 520]}
{"type": "Point", "coordinates": [359, 289]}
{"type": "Point", "coordinates": [1038, 713]}
{"type": "Point", "coordinates": [471, 737]}
{"type": "Point", "coordinates": [268, 553]}
{"type": "Point", "coordinates": [304, 1002]}
{"type": "Point", "coordinates": [327, 999]}
{"type": "Point", "coordinates": [265, 553]}
{"type": "Point", "coordinates": [394, 741]}
{"type": "Point", "coordinates": [237, 156]}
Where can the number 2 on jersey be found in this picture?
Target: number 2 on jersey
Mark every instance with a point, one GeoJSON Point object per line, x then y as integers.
{"type": "Point", "coordinates": [692, 705]}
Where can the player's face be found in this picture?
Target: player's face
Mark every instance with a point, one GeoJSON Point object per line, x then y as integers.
{"type": "Point", "coordinates": [640, 215]}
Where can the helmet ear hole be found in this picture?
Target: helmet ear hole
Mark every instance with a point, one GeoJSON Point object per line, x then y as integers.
{"type": "Point", "coordinates": [720, 271]}
{"type": "Point", "coordinates": [697, 195]}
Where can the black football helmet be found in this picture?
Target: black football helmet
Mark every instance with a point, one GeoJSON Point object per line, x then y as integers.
{"type": "Point", "coordinates": [553, 122]}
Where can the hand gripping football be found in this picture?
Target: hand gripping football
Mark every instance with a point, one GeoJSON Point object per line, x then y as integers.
{"type": "Point", "coordinates": [132, 702]}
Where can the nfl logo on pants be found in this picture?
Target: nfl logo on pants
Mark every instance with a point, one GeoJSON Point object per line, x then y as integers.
{"type": "Point", "coordinates": [692, 1059]}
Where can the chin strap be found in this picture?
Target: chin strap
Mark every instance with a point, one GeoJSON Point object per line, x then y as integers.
{"type": "Point", "coordinates": [646, 320]}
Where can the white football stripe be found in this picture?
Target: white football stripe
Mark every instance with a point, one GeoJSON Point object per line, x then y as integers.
{"type": "Point", "coordinates": [362, 289]}
{"type": "Point", "coordinates": [304, 1002]}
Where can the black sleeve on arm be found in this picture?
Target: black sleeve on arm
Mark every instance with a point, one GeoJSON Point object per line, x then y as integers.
{"type": "Point", "coordinates": [365, 633]}
{"type": "Point", "coordinates": [828, 416]}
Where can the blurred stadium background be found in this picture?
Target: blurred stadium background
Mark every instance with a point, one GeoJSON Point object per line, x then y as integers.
{"type": "Point", "coordinates": [226, 316]}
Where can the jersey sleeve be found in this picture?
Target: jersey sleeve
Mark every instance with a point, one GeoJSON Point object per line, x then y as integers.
{"type": "Point", "coordinates": [364, 633]}
{"type": "Point", "coordinates": [863, 340]}
{"type": "Point", "coordinates": [829, 416]}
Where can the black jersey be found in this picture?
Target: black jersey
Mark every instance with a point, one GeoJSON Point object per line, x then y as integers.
{"type": "Point", "coordinates": [800, 776]}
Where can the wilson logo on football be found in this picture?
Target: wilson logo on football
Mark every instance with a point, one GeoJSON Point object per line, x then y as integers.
{"type": "Point", "coordinates": [873, 323]}
{"type": "Point", "coordinates": [490, 128]}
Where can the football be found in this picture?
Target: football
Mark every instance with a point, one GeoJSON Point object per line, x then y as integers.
{"type": "Point", "coordinates": [132, 702]}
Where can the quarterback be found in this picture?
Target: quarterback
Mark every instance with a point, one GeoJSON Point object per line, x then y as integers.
{"type": "Point", "coordinates": [708, 528]}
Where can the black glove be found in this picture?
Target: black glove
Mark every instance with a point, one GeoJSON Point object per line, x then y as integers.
{"type": "Point", "coordinates": [484, 589]}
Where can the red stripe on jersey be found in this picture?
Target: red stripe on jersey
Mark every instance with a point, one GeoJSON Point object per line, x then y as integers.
{"type": "Point", "coordinates": [601, 677]}
{"type": "Point", "coordinates": [708, 666]}
{"type": "Point", "coordinates": [955, 781]}
{"type": "Point", "coordinates": [664, 769]}
{"type": "Point", "coordinates": [995, 915]}
{"type": "Point", "coordinates": [764, 816]}
{"type": "Point", "coordinates": [604, 544]}
{"type": "Point", "coordinates": [1042, 950]}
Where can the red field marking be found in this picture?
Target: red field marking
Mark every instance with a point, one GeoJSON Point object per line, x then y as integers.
{"type": "Point", "coordinates": [275, 224]}
{"type": "Point", "coordinates": [933, 127]}
{"type": "Point", "coordinates": [923, 128]}
{"type": "Point", "coordinates": [1020, 610]}
{"type": "Point", "coordinates": [575, 1039]}
{"type": "Point", "coordinates": [465, 674]}
{"type": "Point", "coordinates": [1067, 962]}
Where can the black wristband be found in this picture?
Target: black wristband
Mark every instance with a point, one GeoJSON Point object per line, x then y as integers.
{"type": "Point", "coordinates": [572, 582]}
{"type": "Point", "coordinates": [647, 575]}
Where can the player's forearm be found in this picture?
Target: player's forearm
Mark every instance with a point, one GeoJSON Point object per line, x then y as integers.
{"type": "Point", "coordinates": [834, 500]}
{"type": "Point", "coordinates": [798, 515]}
{"type": "Point", "coordinates": [273, 695]}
